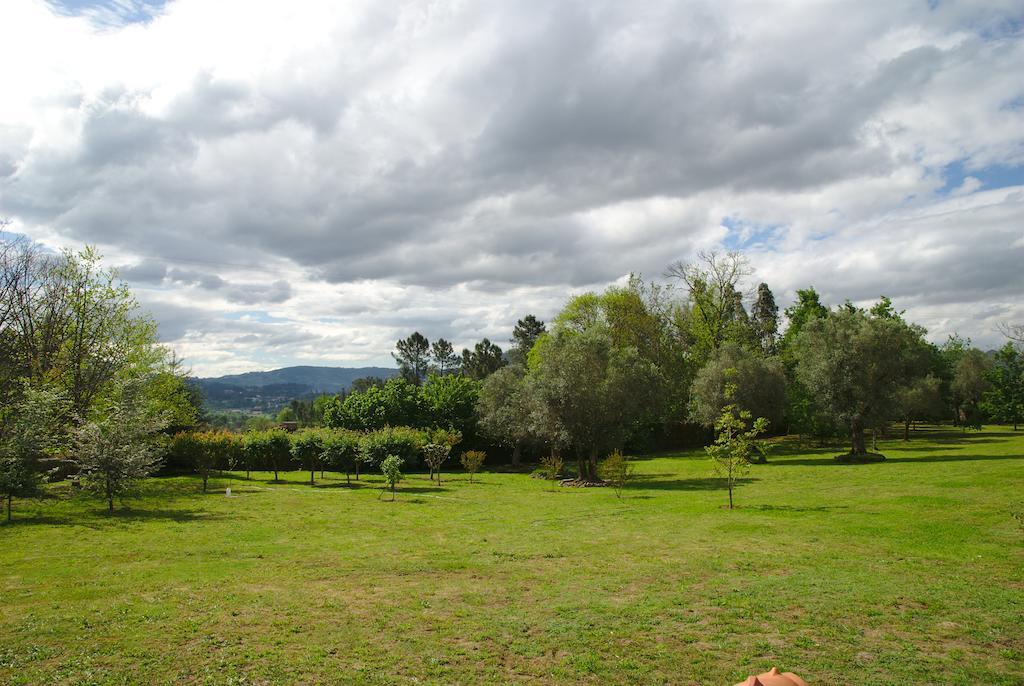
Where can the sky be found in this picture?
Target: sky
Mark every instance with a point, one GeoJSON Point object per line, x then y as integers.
{"type": "Point", "coordinates": [305, 182]}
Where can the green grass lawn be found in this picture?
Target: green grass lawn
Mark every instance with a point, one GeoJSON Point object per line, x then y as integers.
{"type": "Point", "coordinates": [905, 572]}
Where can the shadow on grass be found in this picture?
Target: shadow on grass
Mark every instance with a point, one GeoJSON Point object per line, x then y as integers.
{"type": "Point", "coordinates": [795, 508]}
{"type": "Point", "coordinates": [954, 457]}
{"type": "Point", "coordinates": [653, 482]}
{"type": "Point", "coordinates": [102, 519]}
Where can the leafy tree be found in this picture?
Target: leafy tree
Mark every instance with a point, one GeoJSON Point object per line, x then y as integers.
{"type": "Point", "coordinates": [259, 423]}
{"type": "Point", "coordinates": [764, 318]}
{"type": "Point", "coordinates": [268, 449]}
{"type": "Point", "coordinates": [450, 401]}
{"type": "Point", "coordinates": [852, 363]}
{"type": "Point", "coordinates": [287, 414]}
{"type": "Point", "coordinates": [918, 400]}
{"type": "Point", "coordinates": [617, 471]}
{"type": "Point", "coordinates": [391, 467]}
{"type": "Point", "coordinates": [119, 446]}
{"type": "Point", "coordinates": [30, 431]}
{"type": "Point", "coordinates": [715, 312]}
{"type": "Point", "coordinates": [307, 448]}
{"type": "Point", "coordinates": [485, 359]}
{"type": "Point", "coordinates": [969, 385]}
{"type": "Point", "coordinates": [341, 451]}
{"type": "Point", "coordinates": [552, 465]}
{"type": "Point", "coordinates": [504, 409]}
{"type": "Point", "coordinates": [472, 460]}
{"type": "Point", "coordinates": [592, 391]}
{"type": "Point", "coordinates": [735, 444]}
{"type": "Point", "coordinates": [759, 386]}
{"type": "Point", "coordinates": [434, 455]}
{"type": "Point", "coordinates": [445, 359]}
{"type": "Point", "coordinates": [396, 403]}
{"type": "Point", "coordinates": [405, 442]}
{"type": "Point", "coordinates": [806, 309]}
{"type": "Point", "coordinates": [413, 357]}
{"type": "Point", "coordinates": [365, 383]}
{"type": "Point", "coordinates": [1005, 399]}
{"type": "Point", "coordinates": [524, 335]}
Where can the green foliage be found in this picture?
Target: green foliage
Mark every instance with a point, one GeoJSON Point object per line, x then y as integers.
{"type": "Point", "coordinates": [435, 454]}
{"type": "Point", "coordinates": [617, 471]}
{"type": "Point", "coordinates": [286, 414]}
{"type": "Point", "coordinates": [472, 461]}
{"type": "Point", "coordinates": [269, 450]}
{"type": "Point", "coordinates": [403, 441]}
{"type": "Point", "coordinates": [120, 445]}
{"type": "Point", "coordinates": [524, 336]}
{"type": "Point", "coordinates": [735, 444]}
{"type": "Point", "coordinates": [307, 449]}
{"type": "Point", "coordinates": [341, 451]}
{"type": "Point", "coordinates": [445, 361]}
{"type": "Point", "coordinates": [207, 451]}
{"type": "Point", "coordinates": [1004, 401]}
{"type": "Point", "coordinates": [504, 410]}
{"type": "Point", "coordinates": [552, 464]}
{"type": "Point", "coordinates": [483, 360]}
{"type": "Point", "coordinates": [450, 401]}
{"type": "Point", "coordinates": [391, 468]}
{"type": "Point", "coordinates": [918, 400]}
{"type": "Point", "coordinates": [31, 430]}
{"type": "Point", "coordinates": [413, 357]}
{"type": "Point", "coordinates": [759, 386]}
{"type": "Point", "coordinates": [396, 403]}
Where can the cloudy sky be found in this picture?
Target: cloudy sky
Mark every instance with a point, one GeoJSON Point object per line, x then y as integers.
{"type": "Point", "coordinates": [304, 182]}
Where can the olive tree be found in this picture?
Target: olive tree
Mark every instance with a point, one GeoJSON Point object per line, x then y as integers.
{"type": "Point", "coordinates": [852, 363]}
{"type": "Point", "coordinates": [759, 386]}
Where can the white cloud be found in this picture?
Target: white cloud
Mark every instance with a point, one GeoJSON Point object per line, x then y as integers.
{"type": "Point", "coordinates": [357, 170]}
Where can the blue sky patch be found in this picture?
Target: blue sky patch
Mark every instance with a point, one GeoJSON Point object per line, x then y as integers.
{"type": "Point", "coordinates": [995, 176]}
{"type": "Point", "coordinates": [111, 11]}
{"type": "Point", "coordinates": [744, 235]}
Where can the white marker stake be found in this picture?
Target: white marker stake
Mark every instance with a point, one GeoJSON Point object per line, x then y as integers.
{"type": "Point", "coordinates": [228, 492]}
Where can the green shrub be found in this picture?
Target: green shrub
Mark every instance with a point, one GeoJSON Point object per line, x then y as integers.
{"type": "Point", "coordinates": [434, 454]}
{"type": "Point", "coordinates": [391, 466]}
{"type": "Point", "coordinates": [472, 460]}
{"type": "Point", "coordinates": [269, 450]}
{"type": "Point", "coordinates": [401, 441]}
{"type": "Point", "coordinates": [341, 451]}
{"type": "Point", "coordinates": [307, 447]}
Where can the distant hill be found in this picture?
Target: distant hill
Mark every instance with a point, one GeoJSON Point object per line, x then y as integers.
{"type": "Point", "coordinates": [269, 391]}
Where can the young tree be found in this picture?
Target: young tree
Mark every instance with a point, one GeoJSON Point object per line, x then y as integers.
{"type": "Point", "coordinates": [413, 357]}
{"type": "Point", "coordinates": [969, 385]}
{"type": "Point", "coordinates": [472, 461]}
{"type": "Point", "coordinates": [485, 359]}
{"type": "Point", "coordinates": [445, 359]}
{"type": "Point", "coordinates": [1005, 399]}
{"type": "Point", "coordinates": [392, 470]}
{"type": "Point", "coordinates": [734, 444]}
{"type": "Point", "coordinates": [852, 363]}
{"type": "Point", "coordinates": [434, 454]}
{"type": "Point", "coordinates": [764, 318]}
{"type": "Point", "coordinates": [120, 446]}
{"type": "Point", "coordinates": [341, 451]}
{"type": "Point", "coordinates": [30, 430]}
{"type": "Point", "coordinates": [617, 471]}
{"type": "Point", "coordinates": [307, 448]}
{"type": "Point", "coordinates": [552, 464]}
{"type": "Point", "coordinates": [524, 335]}
{"type": "Point", "coordinates": [267, 449]}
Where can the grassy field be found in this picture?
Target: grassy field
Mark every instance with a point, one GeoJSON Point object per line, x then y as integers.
{"type": "Point", "coordinates": [905, 572]}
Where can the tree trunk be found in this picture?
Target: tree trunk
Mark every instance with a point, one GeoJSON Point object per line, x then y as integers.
{"type": "Point", "coordinates": [517, 452]}
{"type": "Point", "coordinates": [312, 473]}
{"type": "Point", "coordinates": [110, 496]}
{"type": "Point", "coordinates": [8, 507]}
{"type": "Point", "coordinates": [730, 494]}
{"type": "Point", "coordinates": [593, 466]}
{"type": "Point", "coordinates": [857, 437]}
{"type": "Point", "coordinates": [205, 479]}
{"type": "Point", "coordinates": [275, 475]}
{"type": "Point", "coordinates": [906, 430]}
{"type": "Point", "coordinates": [357, 471]}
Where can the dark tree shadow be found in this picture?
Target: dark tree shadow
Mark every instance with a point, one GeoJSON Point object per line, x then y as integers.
{"type": "Point", "coordinates": [707, 484]}
{"type": "Point", "coordinates": [99, 519]}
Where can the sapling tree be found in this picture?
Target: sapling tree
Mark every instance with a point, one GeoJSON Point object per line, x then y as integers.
{"type": "Point", "coordinates": [341, 451]}
{"type": "Point", "coordinates": [307, 447]}
{"type": "Point", "coordinates": [392, 470]}
{"type": "Point", "coordinates": [552, 464]}
{"type": "Point", "coordinates": [472, 460]}
{"type": "Point", "coordinates": [268, 449]}
{"type": "Point", "coordinates": [434, 454]}
{"type": "Point", "coordinates": [617, 471]}
{"type": "Point", "coordinates": [734, 444]}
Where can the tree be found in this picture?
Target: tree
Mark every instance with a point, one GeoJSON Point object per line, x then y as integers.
{"type": "Point", "coordinates": [287, 414]}
{"type": "Point", "coordinates": [397, 403]}
{"type": "Point", "coordinates": [617, 471]}
{"type": "Point", "coordinates": [307, 448]}
{"type": "Point", "coordinates": [759, 386]}
{"type": "Point", "coordinates": [734, 444]}
{"type": "Point", "coordinates": [592, 391]}
{"type": "Point", "coordinates": [918, 400]}
{"type": "Point", "coordinates": [713, 286]}
{"type": "Point", "coordinates": [472, 460]}
{"type": "Point", "coordinates": [391, 467]}
{"type": "Point", "coordinates": [30, 431]}
{"type": "Point", "coordinates": [852, 363]}
{"type": "Point", "coordinates": [969, 385]}
{"type": "Point", "coordinates": [1004, 401]}
{"type": "Point", "coordinates": [485, 359]}
{"type": "Point", "coordinates": [435, 454]}
{"type": "Point", "coordinates": [552, 465]}
{"type": "Point", "coordinates": [450, 401]}
{"type": "Point", "coordinates": [413, 358]}
{"type": "Point", "coordinates": [524, 335]}
{"type": "Point", "coordinates": [765, 320]}
{"type": "Point", "coordinates": [267, 449]}
{"type": "Point", "coordinates": [341, 450]}
{"type": "Point", "coordinates": [504, 409]}
{"type": "Point", "coordinates": [444, 357]}
{"type": "Point", "coordinates": [120, 445]}
{"type": "Point", "coordinates": [806, 309]}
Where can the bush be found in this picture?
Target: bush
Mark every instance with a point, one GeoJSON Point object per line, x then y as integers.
{"type": "Point", "coordinates": [400, 441]}
{"type": "Point", "coordinates": [435, 454]}
{"type": "Point", "coordinates": [391, 466]}
{"type": "Point", "coordinates": [341, 451]}
{"type": "Point", "coordinates": [617, 471]}
{"type": "Point", "coordinates": [472, 460]}
{"type": "Point", "coordinates": [268, 450]}
{"type": "Point", "coordinates": [307, 447]}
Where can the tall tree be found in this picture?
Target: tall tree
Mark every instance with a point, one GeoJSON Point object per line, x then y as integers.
{"type": "Point", "coordinates": [852, 363]}
{"type": "Point", "coordinates": [524, 335]}
{"type": "Point", "coordinates": [969, 385]}
{"type": "Point", "coordinates": [765, 320]}
{"type": "Point", "coordinates": [806, 309]}
{"type": "Point", "coordinates": [443, 355]}
{"type": "Point", "coordinates": [713, 284]}
{"type": "Point", "coordinates": [1004, 401]}
{"type": "Point", "coordinates": [413, 357]}
{"type": "Point", "coordinates": [918, 400]}
{"type": "Point", "coordinates": [757, 385]}
{"type": "Point", "coordinates": [483, 360]}
{"type": "Point", "coordinates": [505, 411]}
